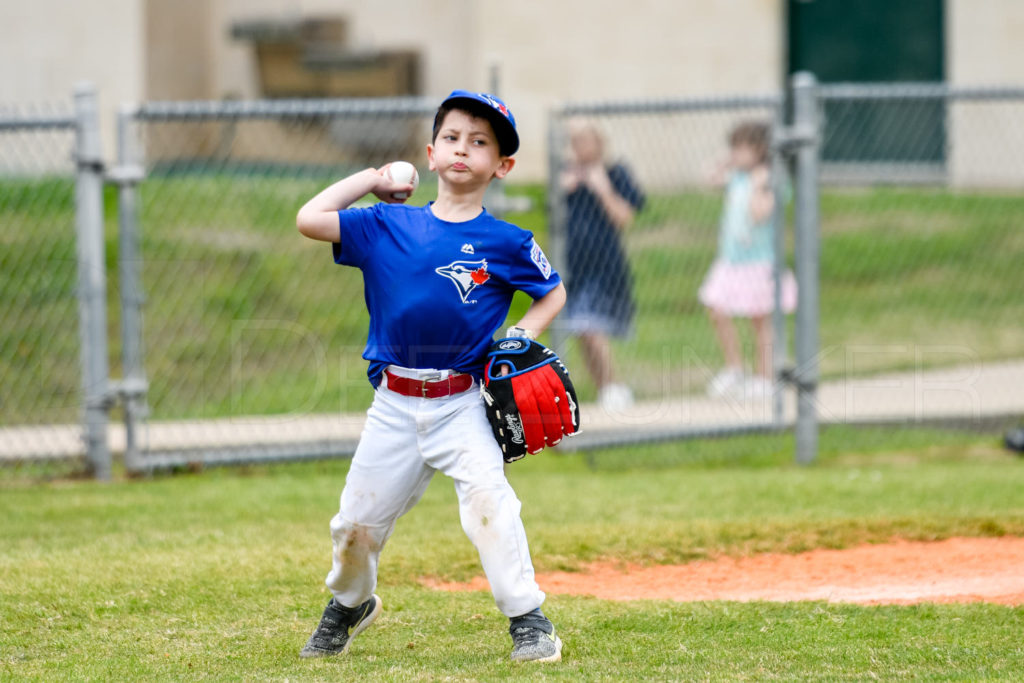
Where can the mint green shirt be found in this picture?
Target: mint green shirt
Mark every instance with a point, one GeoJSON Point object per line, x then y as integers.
{"type": "Point", "coordinates": [740, 240]}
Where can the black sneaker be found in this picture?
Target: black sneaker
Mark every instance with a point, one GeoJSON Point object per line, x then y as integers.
{"type": "Point", "coordinates": [338, 626]}
{"type": "Point", "coordinates": [534, 639]}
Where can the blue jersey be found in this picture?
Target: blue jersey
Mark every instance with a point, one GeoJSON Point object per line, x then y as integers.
{"type": "Point", "coordinates": [437, 291]}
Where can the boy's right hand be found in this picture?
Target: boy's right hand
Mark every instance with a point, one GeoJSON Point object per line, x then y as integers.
{"type": "Point", "coordinates": [318, 218]}
{"type": "Point", "coordinates": [385, 188]}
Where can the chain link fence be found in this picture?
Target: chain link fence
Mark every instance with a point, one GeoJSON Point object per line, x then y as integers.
{"type": "Point", "coordinates": [252, 336]}
{"type": "Point", "coordinates": [641, 344]}
{"type": "Point", "coordinates": [40, 352]}
{"type": "Point", "coordinates": [239, 341]}
{"type": "Point", "coordinates": [921, 229]}
{"type": "Point", "coordinates": [919, 304]}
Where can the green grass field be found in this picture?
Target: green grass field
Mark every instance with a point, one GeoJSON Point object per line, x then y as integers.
{"type": "Point", "coordinates": [218, 575]}
{"type": "Point", "coordinates": [243, 316]}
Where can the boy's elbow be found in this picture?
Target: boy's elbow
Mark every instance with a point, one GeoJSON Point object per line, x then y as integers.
{"type": "Point", "coordinates": [302, 222]}
{"type": "Point", "coordinates": [307, 224]}
{"type": "Point", "coordinates": [559, 295]}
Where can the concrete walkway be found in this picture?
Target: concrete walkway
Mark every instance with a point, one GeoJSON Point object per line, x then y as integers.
{"type": "Point", "coordinates": [965, 393]}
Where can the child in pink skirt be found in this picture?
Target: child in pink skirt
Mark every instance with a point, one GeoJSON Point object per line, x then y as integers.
{"type": "Point", "coordinates": [739, 283]}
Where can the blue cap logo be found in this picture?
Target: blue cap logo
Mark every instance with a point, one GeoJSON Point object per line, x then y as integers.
{"type": "Point", "coordinates": [504, 125]}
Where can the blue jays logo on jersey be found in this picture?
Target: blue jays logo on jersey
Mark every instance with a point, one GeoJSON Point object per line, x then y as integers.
{"type": "Point", "coordinates": [467, 276]}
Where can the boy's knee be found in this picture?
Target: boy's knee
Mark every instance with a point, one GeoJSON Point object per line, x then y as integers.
{"type": "Point", "coordinates": [351, 537]}
{"type": "Point", "coordinates": [484, 507]}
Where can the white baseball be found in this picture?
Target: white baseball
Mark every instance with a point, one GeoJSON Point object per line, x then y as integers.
{"type": "Point", "coordinates": [405, 173]}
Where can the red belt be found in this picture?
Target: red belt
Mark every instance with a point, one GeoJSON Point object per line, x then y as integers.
{"type": "Point", "coordinates": [452, 384]}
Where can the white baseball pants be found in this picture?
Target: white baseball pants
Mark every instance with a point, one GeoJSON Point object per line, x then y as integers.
{"type": "Point", "coordinates": [405, 440]}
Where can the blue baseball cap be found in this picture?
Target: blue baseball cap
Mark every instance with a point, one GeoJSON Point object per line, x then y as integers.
{"type": "Point", "coordinates": [497, 113]}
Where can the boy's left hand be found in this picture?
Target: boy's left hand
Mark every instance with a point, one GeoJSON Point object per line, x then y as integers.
{"type": "Point", "coordinates": [529, 399]}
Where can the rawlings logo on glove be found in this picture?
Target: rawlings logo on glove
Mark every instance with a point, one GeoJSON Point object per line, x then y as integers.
{"type": "Point", "coordinates": [530, 400]}
{"type": "Point", "coordinates": [515, 429]}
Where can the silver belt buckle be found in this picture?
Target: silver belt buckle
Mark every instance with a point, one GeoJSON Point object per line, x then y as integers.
{"type": "Point", "coordinates": [433, 377]}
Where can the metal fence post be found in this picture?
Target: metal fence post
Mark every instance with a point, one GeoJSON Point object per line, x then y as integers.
{"type": "Point", "coordinates": [133, 386]}
{"type": "Point", "coordinates": [780, 188]}
{"type": "Point", "coordinates": [556, 211]}
{"type": "Point", "coordinates": [495, 200]}
{"type": "Point", "coordinates": [807, 252]}
{"type": "Point", "coordinates": [92, 279]}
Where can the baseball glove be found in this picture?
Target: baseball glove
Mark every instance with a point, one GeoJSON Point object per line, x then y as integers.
{"type": "Point", "coordinates": [533, 404]}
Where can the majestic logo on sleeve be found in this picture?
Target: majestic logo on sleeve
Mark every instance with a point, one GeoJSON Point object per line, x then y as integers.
{"type": "Point", "coordinates": [467, 276]}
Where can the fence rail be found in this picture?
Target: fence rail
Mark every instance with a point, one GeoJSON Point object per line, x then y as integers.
{"type": "Point", "coordinates": [51, 201]}
{"type": "Point", "coordinates": [666, 106]}
{"type": "Point", "coordinates": [910, 91]}
{"type": "Point", "coordinates": [220, 109]}
{"type": "Point", "coordinates": [22, 122]}
{"type": "Point", "coordinates": [231, 339]}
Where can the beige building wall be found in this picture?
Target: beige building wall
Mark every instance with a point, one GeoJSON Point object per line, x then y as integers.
{"type": "Point", "coordinates": [179, 53]}
{"type": "Point", "coordinates": [985, 42]}
{"type": "Point", "coordinates": [552, 53]}
{"type": "Point", "coordinates": [547, 52]}
{"type": "Point", "coordinates": [985, 46]}
{"type": "Point", "coordinates": [48, 46]}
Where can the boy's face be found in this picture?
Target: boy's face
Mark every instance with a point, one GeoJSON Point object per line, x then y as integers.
{"type": "Point", "coordinates": [466, 152]}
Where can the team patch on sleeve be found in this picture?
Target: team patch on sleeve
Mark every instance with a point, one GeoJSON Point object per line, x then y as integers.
{"type": "Point", "coordinates": [540, 260]}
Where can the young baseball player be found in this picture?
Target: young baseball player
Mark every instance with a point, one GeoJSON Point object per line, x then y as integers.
{"type": "Point", "coordinates": [439, 281]}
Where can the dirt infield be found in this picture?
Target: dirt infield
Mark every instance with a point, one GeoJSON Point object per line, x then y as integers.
{"type": "Point", "coordinates": [899, 573]}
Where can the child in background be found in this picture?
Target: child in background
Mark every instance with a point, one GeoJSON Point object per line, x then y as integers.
{"type": "Point", "coordinates": [740, 282]}
{"type": "Point", "coordinates": [601, 201]}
